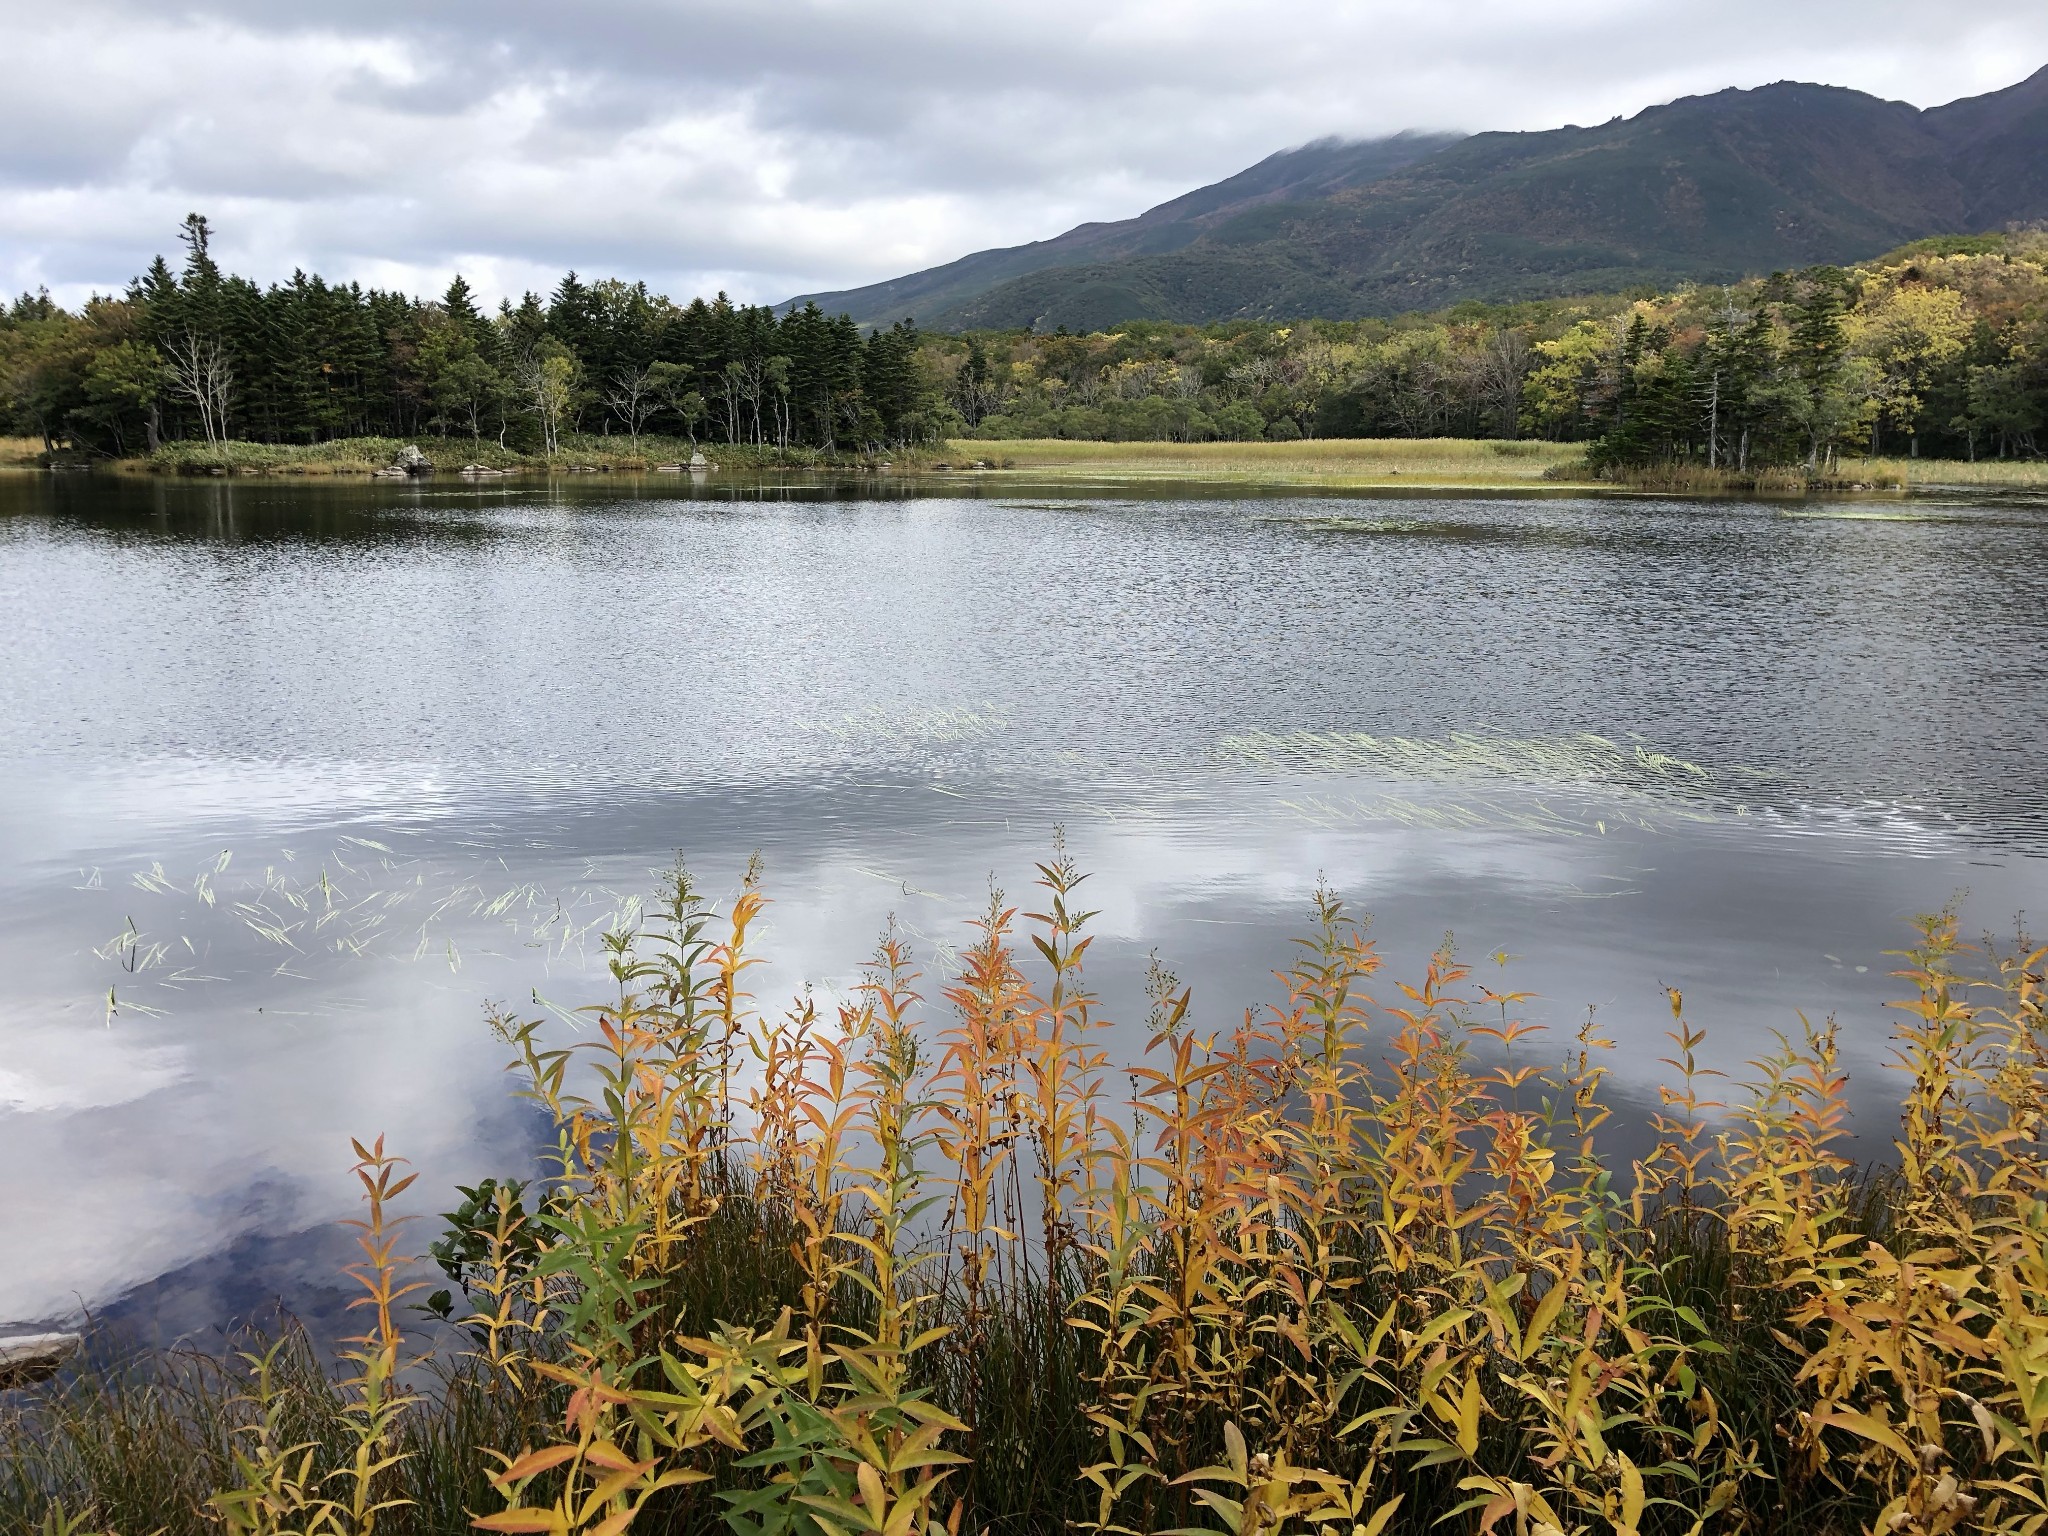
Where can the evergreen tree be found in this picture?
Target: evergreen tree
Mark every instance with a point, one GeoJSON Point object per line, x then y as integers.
{"type": "Point", "coordinates": [1814, 354]}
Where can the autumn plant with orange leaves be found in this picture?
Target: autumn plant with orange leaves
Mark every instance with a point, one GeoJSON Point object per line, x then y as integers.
{"type": "Point", "coordinates": [1361, 1262]}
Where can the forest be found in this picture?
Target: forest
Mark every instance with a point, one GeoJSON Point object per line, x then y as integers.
{"type": "Point", "coordinates": [1939, 350]}
{"type": "Point", "coordinates": [198, 353]}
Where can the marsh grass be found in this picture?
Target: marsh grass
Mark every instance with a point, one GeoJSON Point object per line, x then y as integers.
{"type": "Point", "coordinates": [20, 452]}
{"type": "Point", "coordinates": [1699, 480]}
{"type": "Point", "coordinates": [1333, 462]}
{"type": "Point", "coordinates": [1850, 474]}
{"type": "Point", "coordinates": [2016, 474]}
{"type": "Point", "coordinates": [1356, 1262]}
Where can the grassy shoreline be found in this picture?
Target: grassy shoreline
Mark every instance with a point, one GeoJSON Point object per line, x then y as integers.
{"type": "Point", "coordinates": [1319, 464]}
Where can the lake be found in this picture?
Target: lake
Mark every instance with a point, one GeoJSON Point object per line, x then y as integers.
{"type": "Point", "coordinates": [296, 777]}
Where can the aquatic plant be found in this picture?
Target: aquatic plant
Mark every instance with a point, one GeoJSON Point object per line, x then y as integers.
{"type": "Point", "coordinates": [1358, 1260]}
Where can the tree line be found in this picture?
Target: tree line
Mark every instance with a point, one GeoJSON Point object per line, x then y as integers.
{"type": "Point", "coordinates": [194, 352]}
{"type": "Point", "coordinates": [1940, 348]}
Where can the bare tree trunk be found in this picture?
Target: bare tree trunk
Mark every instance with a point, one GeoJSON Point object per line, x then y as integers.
{"type": "Point", "coordinates": [1714, 424]}
{"type": "Point", "coordinates": [200, 371]}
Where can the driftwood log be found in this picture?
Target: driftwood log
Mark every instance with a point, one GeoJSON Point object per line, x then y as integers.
{"type": "Point", "coordinates": [27, 1358]}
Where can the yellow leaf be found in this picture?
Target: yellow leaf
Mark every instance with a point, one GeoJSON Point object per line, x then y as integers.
{"type": "Point", "coordinates": [520, 1520]}
{"type": "Point", "coordinates": [1632, 1495]}
{"type": "Point", "coordinates": [901, 1519]}
{"type": "Point", "coordinates": [1544, 1315]}
{"type": "Point", "coordinates": [1538, 1505]}
{"type": "Point", "coordinates": [608, 1488]}
{"type": "Point", "coordinates": [871, 1491]}
{"type": "Point", "coordinates": [1870, 1429]}
{"type": "Point", "coordinates": [1468, 1416]}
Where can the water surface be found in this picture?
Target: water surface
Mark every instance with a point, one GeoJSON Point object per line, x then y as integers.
{"type": "Point", "coordinates": [295, 777]}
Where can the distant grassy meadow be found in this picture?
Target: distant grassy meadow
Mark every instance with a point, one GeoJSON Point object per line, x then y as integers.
{"type": "Point", "coordinates": [1328, 462]}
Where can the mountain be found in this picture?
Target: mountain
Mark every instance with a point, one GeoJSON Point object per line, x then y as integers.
{"type": "Point", "coordinates": [1313, 171]}
{"type": "Point", "coordinates": [1704, 189]}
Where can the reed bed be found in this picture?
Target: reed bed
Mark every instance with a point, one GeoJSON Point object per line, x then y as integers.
{"type": "Point", "coordinates": [1777, 480]}
{"type": "Point", "coordinates": [20, 451]}
{"type": "Point", "coordinates": [1360, 1262]}
{"type": "Point", "coordinates": [2016, 474]}
{"type": "Point", "coordinates": [1849, 474]}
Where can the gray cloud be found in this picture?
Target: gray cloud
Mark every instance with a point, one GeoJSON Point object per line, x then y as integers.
{"type": "Point", "coordinates": [769, 148]}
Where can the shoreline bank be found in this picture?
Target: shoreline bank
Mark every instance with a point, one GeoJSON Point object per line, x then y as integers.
{"type": "Point", "coordinates": [1317, 464]}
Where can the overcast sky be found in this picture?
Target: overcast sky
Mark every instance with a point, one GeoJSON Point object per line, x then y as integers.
{"type": "Point", "coordinates": [771, 148]}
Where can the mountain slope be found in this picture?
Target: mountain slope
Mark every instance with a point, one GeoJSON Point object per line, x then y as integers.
{"type": "Point", "coordinates": [1708, 188]}
{"type": "Point", "coordinates": [1999, 145]}
{"type": "Point", "coordinates": [1313, 171]}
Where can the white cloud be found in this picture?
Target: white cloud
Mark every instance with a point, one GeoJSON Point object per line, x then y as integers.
{"type": "Point", "coordinates": [773, 148]}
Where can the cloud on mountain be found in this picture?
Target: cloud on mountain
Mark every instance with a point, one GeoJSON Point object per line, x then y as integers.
{"type": "Point", "coordinates": [776, 148]}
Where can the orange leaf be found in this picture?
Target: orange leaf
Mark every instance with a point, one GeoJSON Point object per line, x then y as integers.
{"type": "Point", "coordinates": [532, 1462]}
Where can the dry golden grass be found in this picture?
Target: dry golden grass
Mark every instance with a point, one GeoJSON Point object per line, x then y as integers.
{"type": "Point", "coordinates": [1333, 462]}
{"type": "Point", "coordinates": [20, 450]}
{"type": "Point", "coordinates": [1985, 474]}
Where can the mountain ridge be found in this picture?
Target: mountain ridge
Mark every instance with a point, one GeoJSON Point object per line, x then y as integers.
{"type": "Point", "coordinates": [1705, 188]}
